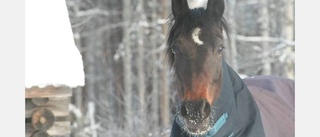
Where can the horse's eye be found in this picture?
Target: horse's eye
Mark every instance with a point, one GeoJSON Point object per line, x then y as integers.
{"type": "Point", "coordinates": [174, 50]}
{"type": "Point", "coordinates": [221, 48]}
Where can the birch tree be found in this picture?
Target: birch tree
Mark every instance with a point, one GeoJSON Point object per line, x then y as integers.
{"type": "Point", "coordinates": [288, 34]}
{"type": "Point", "coordinates": [140, 59]}
{"type": "Point", "coordinates": [155, 73]}
{"type": "Point", "coordinates": [264, 29]}
{"type": "Point", "coordinates": [127, 65]}
{"type": "Point", "coordinates": [232, 52]}
{"type": "Point", "coordinates": [164, 103]}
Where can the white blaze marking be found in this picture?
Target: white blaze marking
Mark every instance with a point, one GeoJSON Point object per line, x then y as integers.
{"type": "Point", "coordinates": [195, 36]}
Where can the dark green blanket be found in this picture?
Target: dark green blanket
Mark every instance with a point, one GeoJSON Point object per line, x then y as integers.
{"type": "Point", "coordinates": [235, 100]}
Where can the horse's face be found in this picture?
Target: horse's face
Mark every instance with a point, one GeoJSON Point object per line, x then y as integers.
{"type": "Point", "coordinates": [195, 45]}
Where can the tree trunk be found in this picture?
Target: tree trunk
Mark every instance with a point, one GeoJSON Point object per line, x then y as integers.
{"type": "Point", "coordinates": [164, 105]}
{"type": "Point", "coordinates": [264, 29]}
{"type": "Point", "coordinates": [232, 52]}
{"type": "Point", "coordinates": [140, 61]}
{"type": "Point", "coordinates": [155, 75]}
{"type": "Point", "coordinates": [288, 34]}
{"type": "Point", "coordinates": [127, 65]}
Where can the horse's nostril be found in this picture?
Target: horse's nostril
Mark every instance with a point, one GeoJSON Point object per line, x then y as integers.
{"type": "Point", "coordinates": [205, 109]}
{"type": "Point", "coordinates": [195, 109]}
{"type": "Point", "coordinates": [183, 110]}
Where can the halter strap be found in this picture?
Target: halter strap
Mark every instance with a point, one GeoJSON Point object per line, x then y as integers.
{"type": "Point", "coordinates": [219, 123]}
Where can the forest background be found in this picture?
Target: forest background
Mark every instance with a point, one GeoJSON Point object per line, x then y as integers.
{"type": "Point", "coordinates": [129, 90]}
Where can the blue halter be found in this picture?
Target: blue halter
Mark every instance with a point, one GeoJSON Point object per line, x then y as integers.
{"type": "Point", "coordinates": [216, 127]}
{"type": "Point", "coordinates": [219, 123]}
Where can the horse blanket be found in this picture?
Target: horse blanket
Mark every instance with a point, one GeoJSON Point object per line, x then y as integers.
{"type": "Point", "coordinates": [275, 99]}
{"type": "Point", "coordinates": [255, 107]}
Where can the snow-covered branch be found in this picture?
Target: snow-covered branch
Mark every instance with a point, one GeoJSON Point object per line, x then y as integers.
{"type": "Point", "coordinates": [94, 11]}
{"type": "Point", "coordinates": [268, 39]}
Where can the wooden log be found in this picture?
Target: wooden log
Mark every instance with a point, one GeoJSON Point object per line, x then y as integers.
{"type": "Point", "coordinates": [58, 106]}
{"type": "Point", "coordinates": [59, 128]}
{"type": "Point", "coordinates": [46, 111]}
{"type": "Point", "coordinates": [42, 119]}
{"type": "Point", "coordinates": [40, 133]}
{"type": "Point", "coordinates": [49, 91]}
{"type": "Point", "coordinates": [40, 101]}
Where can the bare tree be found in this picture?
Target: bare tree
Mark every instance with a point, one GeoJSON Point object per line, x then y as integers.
{"type": "Point", "coordinates": [127, 58]}
{"type": "Point", "coordinates": [155, 73]}
{"type": "Point", "coordinates": [164, 103]}
{"type": "Point", "coordinates": [232, 52]}
{"type": "Point", "coordinates": [288, 34]}
{"type": "Point", "coordinates": [140, 60]}
{"type": "Point", "coordinates": [264, 29]}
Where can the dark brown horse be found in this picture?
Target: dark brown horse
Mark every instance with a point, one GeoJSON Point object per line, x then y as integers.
{"type": "Point", "coordinates": [215, 100]}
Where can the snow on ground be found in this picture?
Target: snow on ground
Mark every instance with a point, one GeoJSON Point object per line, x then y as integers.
{"type": "Point", "coordinates": [51, 57]}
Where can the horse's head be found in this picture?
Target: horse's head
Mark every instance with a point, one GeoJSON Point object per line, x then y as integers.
{"type": "Point", "coordinates": [195, 45]}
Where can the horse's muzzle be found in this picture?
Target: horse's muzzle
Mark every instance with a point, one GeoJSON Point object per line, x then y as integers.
{"type": "Point", "coordinates": [196, 114]}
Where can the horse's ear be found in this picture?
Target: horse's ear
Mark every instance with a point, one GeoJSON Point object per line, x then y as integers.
{"type": "Point", "coordinates": [215, 8]}
{"type": "Point", "coordinates": [179, 8]}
